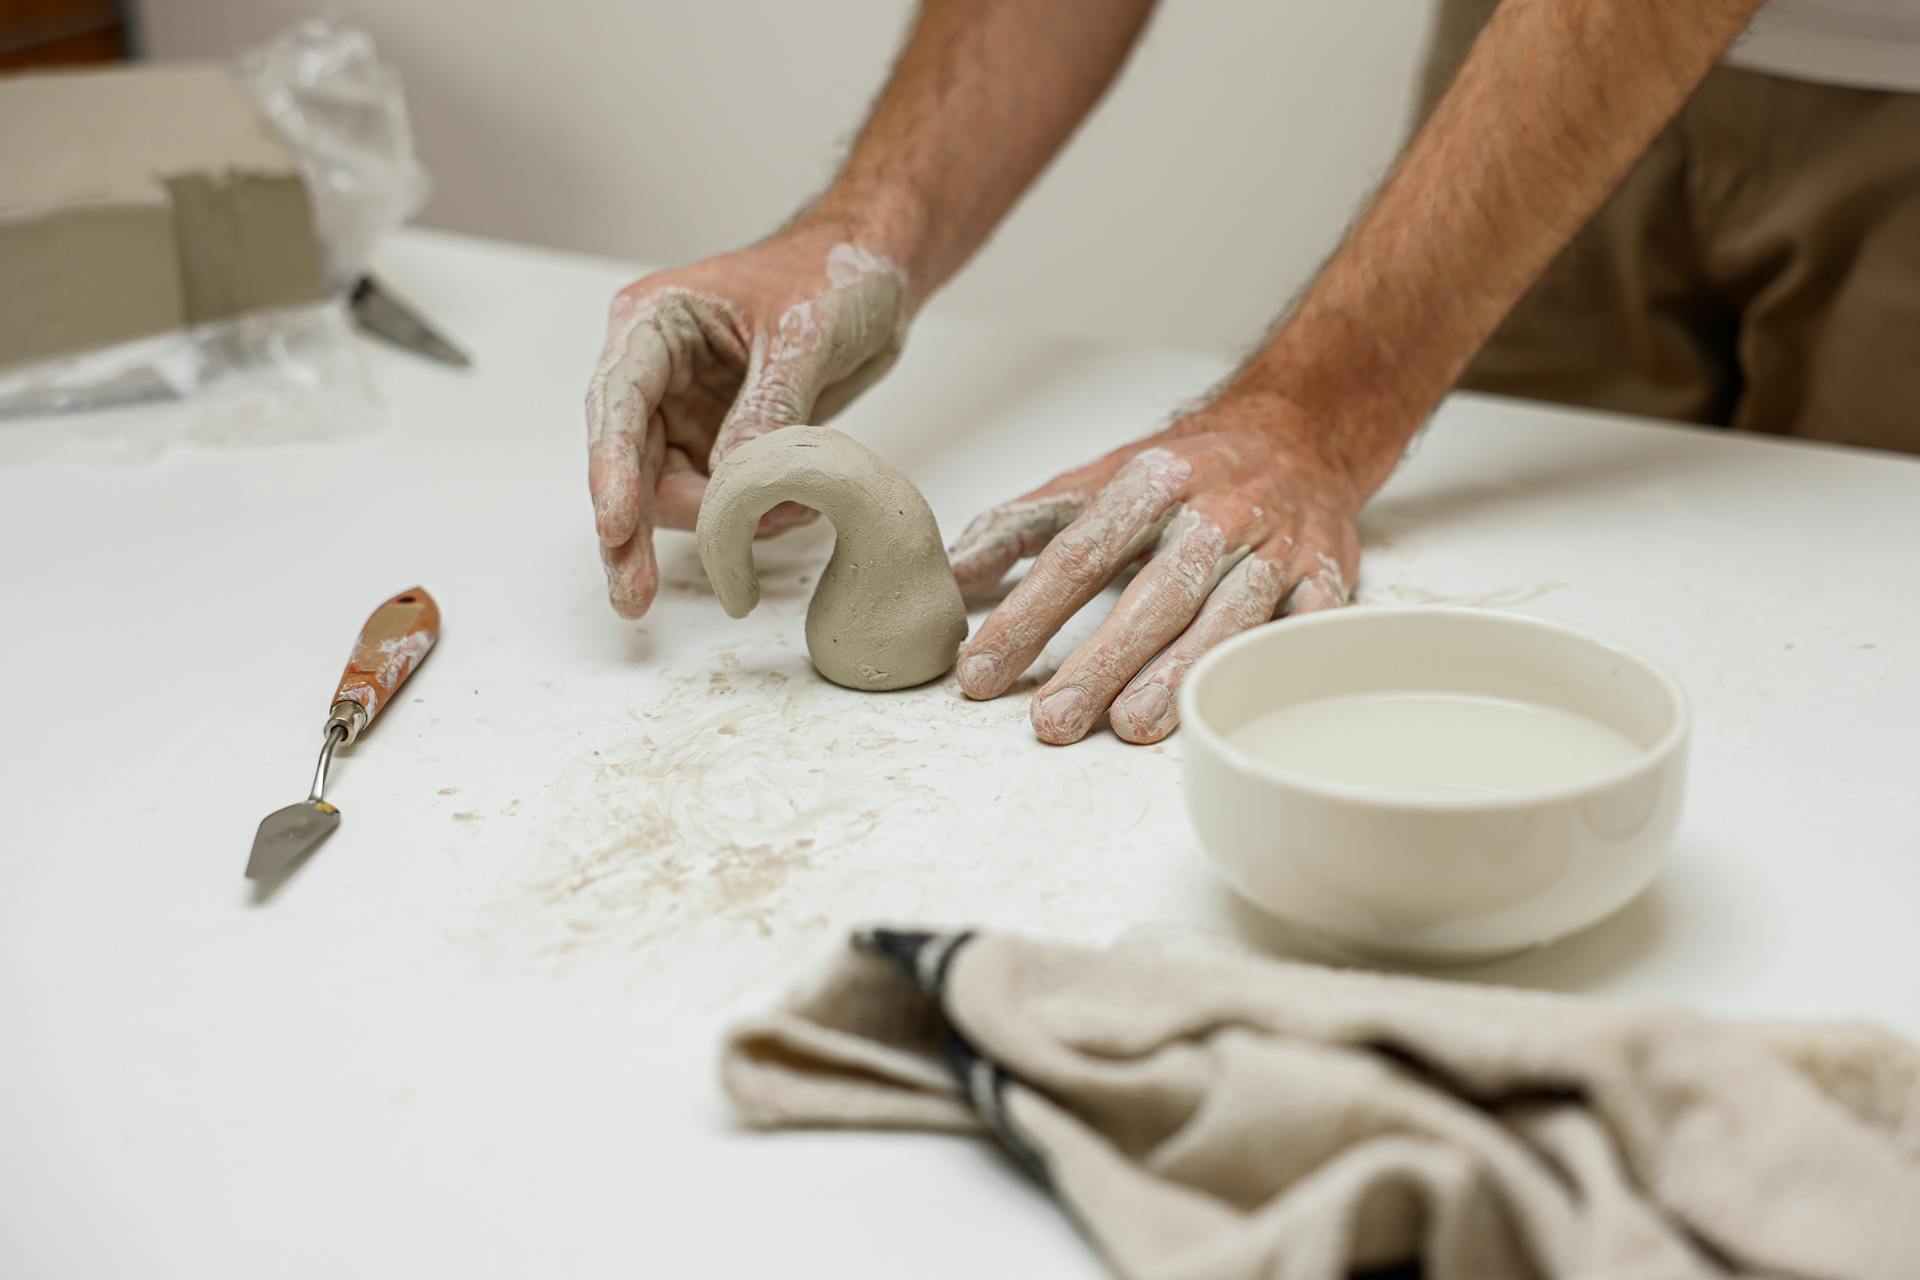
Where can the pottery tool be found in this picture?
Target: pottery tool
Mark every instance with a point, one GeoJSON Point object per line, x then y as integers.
{"type": "Point", "coordinates": [377, 311]}
{"type": "Point", "coordinates": [394, 641]}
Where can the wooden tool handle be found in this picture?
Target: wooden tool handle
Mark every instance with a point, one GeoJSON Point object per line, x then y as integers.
{"type": "Point", "coordinates": [394, 641]}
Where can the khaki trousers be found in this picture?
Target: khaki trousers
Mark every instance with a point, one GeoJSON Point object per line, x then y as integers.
{"type": "Point", "coordinates": [1759, 267]}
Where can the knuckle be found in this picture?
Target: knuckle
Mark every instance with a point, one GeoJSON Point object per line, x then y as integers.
{"type": "Point", "coordinates": [1188, 577]}
{"type": "Point", "coordinates": [775, 398]}
{"type": "Point", "coordinates": [1145, 464]}
{"type": "Point", "coordinates": [637, 292]}
{"type": "Point", "coordinates": [1156, 474]}
{"type": "Point", "coordinates": [1197, 565]}
{"type": "Point", "coordinates": [1078, 561]}
{"type": "Point", "coordinates": [1264, 580]}
{"type": "Point", "coordinates": [1193, 549]}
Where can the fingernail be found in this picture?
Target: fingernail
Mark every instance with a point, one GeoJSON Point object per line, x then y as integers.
{"type": "Point", "coordinates": [979, 675]}
{"type": "Point", "coordinates": [1063, 716]}
{"type": "Point", "coordinates": [1143, 714]}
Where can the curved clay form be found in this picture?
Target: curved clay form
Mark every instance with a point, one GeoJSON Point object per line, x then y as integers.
{"type": "Point", "coordinates": [887, 612]}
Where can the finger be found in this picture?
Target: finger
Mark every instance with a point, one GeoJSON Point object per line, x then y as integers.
{"type": "Point", "coordinates": [782, 517]}
{"type": "Point", "coordinates": [691, 416]}
{"type": "Point", "coordinates": [1006, 535]}
{"type": "Point", "coordinates": [784, 378]}
{"type": "Point", "coordinates": [818, 343]}
{"type": "Point", "coordinates": [775, 393]}
{"type": "Point", "coordinates": [632, 377]}
{"type": "Point", "coordinates": [1146, 711]}
{"type": "Point", "coordinates": [1012, 531]}
{"type": "Point", "coordinates": [682, 487]}
{"type": "Point", "coordinates": [1320, 584]}
{"type": "Point", "coordinates": [844, 392]}
{"type": "Point", "coordinates": [1156, 606]}
{"type": "Point", "coordinates": [632, 574]}
{"type": "Point", "coordinates": [679, 491]}
{"type": "Point", "coordinates": [1072, 569]}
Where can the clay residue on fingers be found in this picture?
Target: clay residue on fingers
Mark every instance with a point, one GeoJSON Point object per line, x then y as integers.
{"type": "Point", "coordinates": [848, 264]}
{"type": "Point", "coordinates": [1123, 521]}
{"type": "Point", "coordinates": [817, 343]}
{"type": "Point", "coordinates": [1246, 597]}
{"type": "Point", "coordinates": [1191, 558]}
{"type": "Point", "coordinates": [1196, 553]}
{"type": "Point", "coordinates": [674, 319]}
{"type": "Point", "coordinates": [650, 353]}
{"type": "Point", "coordinates": [1324, 588]}
{"type": "Point", "coordinates": [1002, 537]}
{"type": "Point", "coordinates": [661, 339]}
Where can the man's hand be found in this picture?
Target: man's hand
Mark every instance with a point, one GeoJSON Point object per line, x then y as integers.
{"type": "Point", "coordinates": [701, 359]}
{"type": "Point", "coordinates": [1236, 513]}
{"type": "Point", "coordinates": [1251, 501]}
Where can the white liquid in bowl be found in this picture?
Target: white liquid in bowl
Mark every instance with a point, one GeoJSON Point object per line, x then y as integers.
{"type": "Point", "coordinates": [1435, 743]}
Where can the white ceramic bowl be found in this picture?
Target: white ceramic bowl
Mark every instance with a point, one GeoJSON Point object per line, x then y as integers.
{"type": "Point", "coordinates": [1427, 876]}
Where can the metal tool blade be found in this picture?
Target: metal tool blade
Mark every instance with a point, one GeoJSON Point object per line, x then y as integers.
{"type": "Point", "coordinates": [395, 638]}
{"type": "Point", "coordinates": [376, 310]}
{"type": "Point", "coordinates": [287, 835]}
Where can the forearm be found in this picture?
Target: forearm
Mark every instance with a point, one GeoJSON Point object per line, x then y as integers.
{"type": "Point", "coordinates": [983, 95]}
{"type": "Point", "coordinates": [1553, 105]}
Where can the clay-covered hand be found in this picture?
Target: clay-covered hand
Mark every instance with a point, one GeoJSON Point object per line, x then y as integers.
{"type": "Point", "coordinates": [1236, 513]}
{"type": "Point", "coordinates": [703, 358]}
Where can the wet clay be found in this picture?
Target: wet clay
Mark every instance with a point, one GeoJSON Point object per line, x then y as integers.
{"type": "Point", "coordinates": [887, 613]}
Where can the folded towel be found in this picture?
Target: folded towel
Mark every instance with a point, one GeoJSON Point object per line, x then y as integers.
{"type": "Point", "coordinates": [1205, 1112]}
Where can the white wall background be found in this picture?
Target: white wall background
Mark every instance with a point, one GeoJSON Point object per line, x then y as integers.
{"type": "Point", "coordinates": [1203, 191]}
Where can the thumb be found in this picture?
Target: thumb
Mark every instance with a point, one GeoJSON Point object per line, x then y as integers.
{"type": "Point", "coordinates": [820, 343]}
{"type": "Point", "coordinates": [782, 382]}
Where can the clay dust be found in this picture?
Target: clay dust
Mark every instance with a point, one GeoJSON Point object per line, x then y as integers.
{"type": "Point", "coordinates": [737, 807]}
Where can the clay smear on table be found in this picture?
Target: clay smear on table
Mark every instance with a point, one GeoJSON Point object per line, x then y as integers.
{"type": "Point", "coordinates": [1497, 598]}
{"type": "Point", "coordinates": [743, 807]}
{"type": "Point", "coordinates": [744, 800]}
{"type": "Point", "coordinates": [728, 803]}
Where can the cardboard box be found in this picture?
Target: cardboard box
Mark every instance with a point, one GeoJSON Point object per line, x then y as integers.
{"type": "Point", "coordinates": [137, 200]}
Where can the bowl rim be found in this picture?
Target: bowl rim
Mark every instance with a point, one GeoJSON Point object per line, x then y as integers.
{"type": "Point", "coordinates": [1649, 759]}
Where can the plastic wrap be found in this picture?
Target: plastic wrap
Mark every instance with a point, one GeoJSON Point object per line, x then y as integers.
{"type": "Point", "coordinates": [270, 375]}
{"type": "Point", "coordinates": [324, 87]}
{"type": "Point", "coordinates": [261, 378]}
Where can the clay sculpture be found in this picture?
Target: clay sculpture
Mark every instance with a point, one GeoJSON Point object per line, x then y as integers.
{"type": "Point", "coordinates": [887, 612]}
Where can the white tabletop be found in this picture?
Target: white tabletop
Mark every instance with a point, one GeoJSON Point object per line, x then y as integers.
{"type": "Point", "coordinates": [475, 1034]}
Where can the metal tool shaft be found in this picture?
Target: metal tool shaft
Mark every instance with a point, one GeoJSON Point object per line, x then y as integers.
{"type": "Point", "coordinates": [336, 734]}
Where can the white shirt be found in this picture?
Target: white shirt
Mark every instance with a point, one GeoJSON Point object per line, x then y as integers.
{"type": "Point", "coordinates": [1866, 44]}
